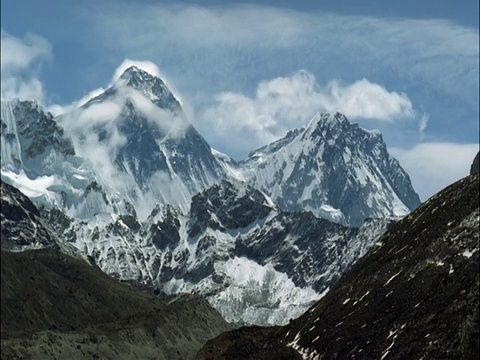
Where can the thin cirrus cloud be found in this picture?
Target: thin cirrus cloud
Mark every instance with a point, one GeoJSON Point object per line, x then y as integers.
{"type": "Point", "coordinates": [20, 61]}
{"type": "Point", "coordinates": [286, 103]}
{"type": "Point", "coordinates": [227, 47]}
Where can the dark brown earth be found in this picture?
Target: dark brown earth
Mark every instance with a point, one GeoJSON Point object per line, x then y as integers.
{"type": "Point", "coordinates": [414, 295]}
{"type": "Point", "coordinates": [252, 343]}
{"type": "Point", "coordinates": [53, 305]}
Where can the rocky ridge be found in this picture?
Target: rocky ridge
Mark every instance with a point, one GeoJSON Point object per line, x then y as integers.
{"type": "Point", "coordinates": [416, 294]}
{"type": "Point", "coordinates": [255, 263]}
{"type": "Point", "coordinates": [57, 306]}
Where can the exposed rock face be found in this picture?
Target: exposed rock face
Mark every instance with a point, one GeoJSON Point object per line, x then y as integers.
{"type": "Point", "coordinates": [18, 215]}
{"type": "Point", "coordinates": [475, 168]}
{"type": "Point", "coordinates": [416, 294]}
{"type": "Point", "coordinates": [223, 206]}
{"type": "Point", "coordinates": [311, 251]}
{"type": "Point", "coordinates": [154, 152]}
{"type": "Point", "coordinates": [255, 263]}
{"type": "Point", "coordinates": [31, 138]}
{"type": "Point", "coordinates": [55, 305]}
{"type": "Point", "coordinates": [22, 227]}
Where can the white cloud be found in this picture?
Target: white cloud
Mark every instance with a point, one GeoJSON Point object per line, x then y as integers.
{"type": "Point", "coordinates": [433, 166]}
{"type": "Point", "coordinates": [57, 109]}
{"type": "Point", "coordinates": [83, 126]}
{"type": "Point", "coordinates": [19, 53]}
{"type": "Point", "coordinates": [83, 120]}
{"type": "Point", "coordinates": [285, 103]}
{"type": "Point", "coordinates": [102, 155]}
{"type": "Point", "coordinates": [364, 99]}
{"type": "Point", "coordinates": [24, 89]}
{"type": "Point", "coordinates": [20, 59]}
{"type": "Point", "coordinates": [169, 123]}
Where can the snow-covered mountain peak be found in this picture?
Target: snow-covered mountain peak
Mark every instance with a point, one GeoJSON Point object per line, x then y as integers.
{"type": "Point", "coordinates": [135, 71]}
{"type": "Point", "coordinates": [330, 126]}
{"type": "Point", "coordinates": [332, 167]}
{"type": "Point", "coordinates": [141, 143]}
{"type": "Point", "coordinates": [149, 85]}
{"type": "Point", "coordinates": [327, 119]}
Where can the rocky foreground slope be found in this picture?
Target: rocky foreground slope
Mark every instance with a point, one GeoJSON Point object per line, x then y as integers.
{"type": "Point", "coordinates": [54, 305]}
{"type": "Point", "coordinates": [414, 295]}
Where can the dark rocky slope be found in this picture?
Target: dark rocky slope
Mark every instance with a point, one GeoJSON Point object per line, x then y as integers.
{"type": "Point", "coordinates": [475, 168]}
{"type": "Point", "coordinates": [56, 306]}
{"type": "Point", "coordinates": [414, 295]}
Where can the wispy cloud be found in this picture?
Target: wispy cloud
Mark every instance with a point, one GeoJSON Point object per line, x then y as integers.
{"type": "Point", "coordinates": [20, 53]}
{"type": "Point", "coordinates": [233, 44]}
{"type": "Point", "coordinates": [57, 109]}
{"type": "Point", "coordinates": [422, 124]}
{"type": "Point", "coordinates": [20, 61]}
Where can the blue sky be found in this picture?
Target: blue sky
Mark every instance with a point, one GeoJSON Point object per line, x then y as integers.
{"type": "Point", "coordinates": [248, 72]}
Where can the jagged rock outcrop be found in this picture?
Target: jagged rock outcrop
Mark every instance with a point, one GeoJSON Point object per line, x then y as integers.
{"type": "Point", "coordinates": [255, 263]}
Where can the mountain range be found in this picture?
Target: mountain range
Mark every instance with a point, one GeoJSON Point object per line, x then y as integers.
{"type": "Point", "coordinates": [129, 181]}
{"type": "Point", "coordinates": [415, 295]}
{"type": "Point", "coordinates": [318, 236]}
